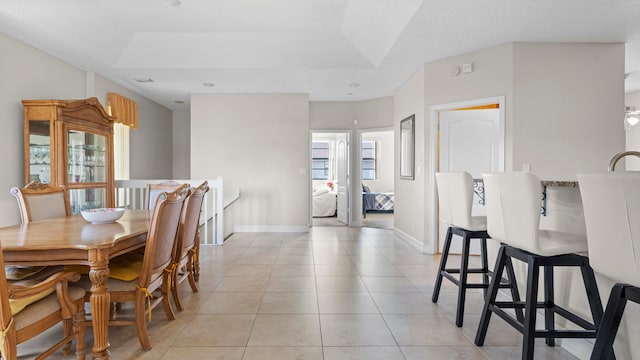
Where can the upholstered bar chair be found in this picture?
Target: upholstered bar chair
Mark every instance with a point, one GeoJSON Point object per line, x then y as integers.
{"type": "Point", "coordinates": [38, 201]}
{"type": "Point", "coordinates": [29, 307]}
{"type": "Point", "coordinates": [153, 285]}
{"type": "Point", "coordinates": [186, 264]}
{"type": "Point", "coordinates": [455, 198]}
{"type": "Point", "coordinates": [611, 204]}
{"type": "Point", "coordinates": [513, 217]}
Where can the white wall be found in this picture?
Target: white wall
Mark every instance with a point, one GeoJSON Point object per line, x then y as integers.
{"type": "Point", "coordinates": [409, 208]}
{"type": "Point", "coordinates": [259, 144]}
{"type": "Point", "coordinates": [151, 145]}
{"type": "Point", "coordinates": [633, 135]}
{"type": "Point", "coordinates": [181, 144]}
{"type": "Point", "coordinates": [28, 73]}
{"type": "Point", "coordinates": [384, 160]}
{"type": "Point", "coordinates": [568, 103]}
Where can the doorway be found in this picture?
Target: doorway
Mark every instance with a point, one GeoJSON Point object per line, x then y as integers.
{"type": "Point", "coordinates": [466, 136]}
{"type": "Point", "coordinates": [329, 178]}
{"type": "Point", "coordinates": [376, 157]}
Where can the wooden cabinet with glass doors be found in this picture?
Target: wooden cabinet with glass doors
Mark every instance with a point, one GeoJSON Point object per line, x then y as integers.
{"type": "Point", "coordinates": [70, 143]}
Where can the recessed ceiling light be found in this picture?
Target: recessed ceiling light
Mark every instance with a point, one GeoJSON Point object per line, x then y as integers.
{"type": "Point", "coordinates": [354, 85]}
{"type": "Point", "coordinates": [350, 94]}
{"type": "Point", "coordinates": [174, 2]}
{"type": "Point", "coordinates": [209, 84]}
{"type": "Point", "coordinates": [144, 80]}
{"type": "Point", "coordinates": [178, 101]}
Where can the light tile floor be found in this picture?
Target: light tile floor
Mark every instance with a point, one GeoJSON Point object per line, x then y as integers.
{"type": "Point", "coordinates": [335, 293]}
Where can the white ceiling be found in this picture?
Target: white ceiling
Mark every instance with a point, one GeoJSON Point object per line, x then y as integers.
{"type": "Point", "coordinates": [318, 47]}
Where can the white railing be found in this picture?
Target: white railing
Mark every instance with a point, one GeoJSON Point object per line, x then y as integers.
{"type": "Point", "coordinates": [130, 194]}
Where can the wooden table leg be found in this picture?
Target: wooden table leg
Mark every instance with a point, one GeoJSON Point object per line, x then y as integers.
{"type": "Point", "coordinates": [100, 301]}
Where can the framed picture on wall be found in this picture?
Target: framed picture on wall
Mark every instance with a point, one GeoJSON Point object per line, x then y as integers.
{"type": "Point", "coordinates": [407, 148]}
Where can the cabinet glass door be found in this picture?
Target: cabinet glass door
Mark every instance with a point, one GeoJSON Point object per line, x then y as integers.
{"type": "Point", "coordinates": [82, 199]}
{"type": "Point", "coordinates": [86, 157]}
{"type": "Point", "coordinates": [39, 151]}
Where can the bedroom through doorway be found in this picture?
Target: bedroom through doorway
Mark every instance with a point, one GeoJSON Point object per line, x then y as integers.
{"type": "Point", "coordinates": [377, 174]}
{"type": "Point", "coordinates": [329, 178]}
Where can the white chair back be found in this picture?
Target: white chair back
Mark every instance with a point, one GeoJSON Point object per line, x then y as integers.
{"type": "Point", "coordinates": [455, 198]}
{"type": "Point", "coordinates": [611, 204]}
{"type": "Point", "coordinates": [513, 209]}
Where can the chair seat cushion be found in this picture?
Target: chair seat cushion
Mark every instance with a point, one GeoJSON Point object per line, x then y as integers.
{"type": "Point", "coordinates": [126, 267]}
{"type": "Point", "coordinates": [39, 309]}
{"type": "Point", "coordinates": [18, 305]}
{"type": "Point", "coordinates": [18, 272]}
{"type": "Point", "coordinates": [478, 223]}
{"type": "Point", "coordinates": [558, 243]}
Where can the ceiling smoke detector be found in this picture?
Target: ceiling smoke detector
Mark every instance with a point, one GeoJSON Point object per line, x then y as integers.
{"type": "Point", "coordinates": [144, 80]}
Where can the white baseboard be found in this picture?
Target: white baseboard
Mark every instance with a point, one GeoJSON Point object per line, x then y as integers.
{"type": "Point", "coordinates": [408, 239]}
{"type": "Point", "coordinates": [271, 228]}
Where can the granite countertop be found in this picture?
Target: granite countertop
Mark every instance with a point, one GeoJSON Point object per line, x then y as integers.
{"type": "Point", "coordinates": [559, 183]}
{"type": "Point", "coordinates": [546, 183]}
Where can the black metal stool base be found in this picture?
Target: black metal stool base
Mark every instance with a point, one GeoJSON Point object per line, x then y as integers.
{"type": "Point", "coordinates": [464, 270]}
{"type": "Point", "coordinates": [620, 294]}
{"type": "Point", "coordinates": [531, 304]}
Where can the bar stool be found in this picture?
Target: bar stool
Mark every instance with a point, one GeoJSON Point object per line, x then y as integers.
{"type": "Point", "coordinates": [513, 218]}
{"type": "Point", "coordinates": [455, 197]}
{"type": "Point", "coordinates": [611, 204]}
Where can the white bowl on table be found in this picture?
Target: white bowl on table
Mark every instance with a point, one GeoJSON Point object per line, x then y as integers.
{"type": "Point", "coordinates": [102, 215]}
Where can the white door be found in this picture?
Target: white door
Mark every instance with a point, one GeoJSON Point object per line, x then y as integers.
{"type": "Point", "coordinates": [342, 164]}
{"type": "Point", "coordinates": [470, 141]}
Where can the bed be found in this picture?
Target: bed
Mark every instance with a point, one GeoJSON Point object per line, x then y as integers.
{"type": "Point", "coordinates": [377, 202]}
{"type": "Point", "coordinates": [324, 202]}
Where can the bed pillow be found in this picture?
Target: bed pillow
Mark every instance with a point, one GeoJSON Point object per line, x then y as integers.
{"type": "Point", "coordinates": [322, 190]}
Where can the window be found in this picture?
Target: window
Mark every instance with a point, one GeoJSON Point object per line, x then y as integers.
{"type": "Point", "coordinates": [368, 160]}
{"type": "Point", "coordinates": [320, 160]}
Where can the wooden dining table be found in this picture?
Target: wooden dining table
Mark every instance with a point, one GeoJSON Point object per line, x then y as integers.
{"type": "Point", "coordinates": [71, 240]}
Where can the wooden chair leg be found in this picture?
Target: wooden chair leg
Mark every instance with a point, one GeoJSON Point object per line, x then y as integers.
{"type": "Point", "coordinates": [549, 318]}
{"type": "Point", "coordinates": [196, 263]}
{"type": "Point", "coordinates": [9, 349]}
{"type": "Point", "coordinates": [593, 295]}
{"type": "Point", "coordinates": [485, 265]}
{"type": "Point", "coordinates": [67, 329]}
{"type": "Point", "coordinates": [490, 299]}
{"type": "Point", "coordinates": [513, 287]}
{"type": "Point", "coordinates": [174, 291]}
{"type": "Point", "coordinates": [79, 326]}
{"type": "Point", "coordinates": [166, 294]}
{"type": "Point", "coordinates": [141, 321]}
{"type": "Point", "coordinates": [191, 268]}
{"type": "Point", "coordinates": [462, 286]}
{"type": "Point", "coordinates": [603, 348]}
{"type": "Point", "coordinates": [531, 301]}
{"type": "Point", "coordinates": [443, 265]}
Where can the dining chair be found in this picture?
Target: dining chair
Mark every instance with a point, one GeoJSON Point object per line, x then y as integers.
{"type": "Point", "coordinates": [455, 199]}
{"type": "Point", "coordinates": [29, 307]}
{"type": "Point", "coordinates": [611, 203]}
{"type": "Point", "coordinates": [513, 203]}
{"type": "Point", "coordinates": [153, 190]}
{"type": "Point", "coordinates": [38, 201]}
{"type": "Point", "coordinates": [153, 285]}
{"type": "Point", "coordinates": [186, 265]}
